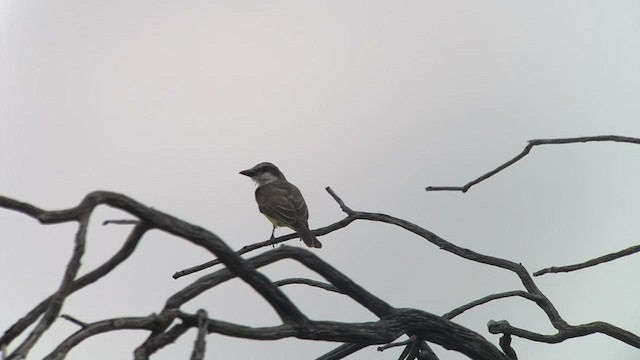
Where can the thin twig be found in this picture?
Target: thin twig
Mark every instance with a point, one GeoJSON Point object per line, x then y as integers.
{"type": "Point", "coordinates": [342, 351]}
{"type": "Point", "coordinates": [593, 262]}
{"type": "Point", "coordinates": [121, 222]}
{"type": "Point", "coordinates": [341, 203]}
{"type": "Point", "coordinates": [527, 149]}
{"type": "Point", "coordinates": [73, 320]}
{"type": "Point", "coordinates": [118, 258]}
{"type": "Point", "coordinates": [309, 282]}
{"type": "Point", "coordinates": [248, 248]}
{"type": "Point", "coordinates": [396, 344]}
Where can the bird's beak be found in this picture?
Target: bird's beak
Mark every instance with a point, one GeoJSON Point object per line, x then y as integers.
{"type": "Point", "coordinates": [248, 172]}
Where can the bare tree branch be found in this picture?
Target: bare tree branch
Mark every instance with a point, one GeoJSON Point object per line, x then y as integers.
{"type": "Point", "coordinates": [379, 332]}
{"type": "Point", "coordinates": [200, 344]}
{"type": "Point", "coordinates": [422, 327]}
{"type": "Point", "coordinates": [532, 292]}
{"type": "Point", "coordinates": [447, 334]}
{"type": "Point", "coordinates": [54, 306]}
{"type": "Point", "coordinates": [156, 219]}
{"type": "Point", "coordinates": [342, 351]}
{"type": "Point", "coordinates": [503, 327]}
{"type": "Point", "coordinates": [309, 282]}
{"type": "Point", "coordinates": [455, 312]}
{"type": "Point", "coordinates": [125, 251]}
{"type": "Point", "coordinates": [160, 340]}
{"type": "Point", "coordinates": [505, 345]}
{"type": "Point", "coordinates": [396, 344]}
{"type": "Point", "coordinates": [593, 262]}
{"type": "Point", "coordinates": [527, 149]}
{"type": "Point", "coordinates": [248, 248]}
{"type": "Point", "coordinates": [126, 323]}
{"type": "Point", "coordinates": [73, 320]}
{"type": "Point", "coordinates": [425, 352]}
{"type": "Point", "coordinates": [121, 222]}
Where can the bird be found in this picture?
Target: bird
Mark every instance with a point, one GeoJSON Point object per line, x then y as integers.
{"type": "Point", "coordinates": [281, 202]}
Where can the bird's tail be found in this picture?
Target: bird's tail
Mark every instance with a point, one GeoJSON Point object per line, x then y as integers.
{"type": "Point", "coordinates": [307, 236]}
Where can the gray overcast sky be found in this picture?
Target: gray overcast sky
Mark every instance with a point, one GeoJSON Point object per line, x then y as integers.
{"type": "Point", "coordinates": [166, 101]}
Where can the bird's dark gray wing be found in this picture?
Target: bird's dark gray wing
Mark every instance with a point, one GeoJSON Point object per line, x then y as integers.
{"type": "Point", "coordinates": [282, 202]}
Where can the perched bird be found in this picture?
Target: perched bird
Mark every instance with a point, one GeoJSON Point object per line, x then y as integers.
{"type": "Point", "coordinates": [281, 201]}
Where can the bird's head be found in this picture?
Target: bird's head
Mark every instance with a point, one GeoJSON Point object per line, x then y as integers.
{"type": "Point", "coordinates": [264, 173]}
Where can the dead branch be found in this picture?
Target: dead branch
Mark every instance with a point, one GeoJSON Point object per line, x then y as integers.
{"type": "Point", "coordinates": [125, 251]}
{"type": "Point", "coordinates": [199, 346]}
{"type": "Point", "coordinates": [525, 152]}
{"type": "Point", "coordinates": [53, 308]}
{"type": "Point", "coordinates": [421, 326]}
{"type": "Point", "coordinates": [593, 262]}
{"type": "Point", "coordinates": [309, 282]}
{"type": "Point", "coordinates": [392, 322]}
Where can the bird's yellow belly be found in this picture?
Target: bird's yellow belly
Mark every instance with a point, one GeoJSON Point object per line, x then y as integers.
{"type": "Point", "coordinates": [275, 222]}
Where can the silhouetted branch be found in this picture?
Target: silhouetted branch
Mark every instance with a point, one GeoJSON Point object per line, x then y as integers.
{"type": "Point", "coordinates": [532, 292]}
{"type": "Point", "coordinates": [172, 322]}
{"type": "Point", "coordinates": [425, 352]}
{"type": "Point", "coordinates": [593, 262]}
{"type": "Point", "coordinates": [125, 323]}
{"type": "Point", "coordinates": [309, 282]}
{"type": "Point", "coordinates": [503, 327]}
{"type": "Point", "coordinates": [73, 320]}
{"type": "Point", "coordinates": [160, 340]}
{"type": "Point", "coordinates": [342, 351]}
{"type": "Point", "coordinates": [200, 344]}
{"type": "Point", "coordinates": [121, 222]}
{"type": "Point", "coordinates": [443, 332]}
{"type": "Point", "coordinates": [125, 251]}
{"type": "Point", "coordinates": [338, 332]}
{"type": "Point", "coordinates": [526, 151]}
{"type": "Point", "coordinates": [396, 344]}
{"type": "Point", "coordinates": [248, 248]}
{"type": "Point", "coordinates": [505, 345]}
{"type": "Point", "coordinates": [455, 312]}
{"type": "Point", "coordinates": [53, 308]}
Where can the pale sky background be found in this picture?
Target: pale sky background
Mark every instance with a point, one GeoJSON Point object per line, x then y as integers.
{"type": "Point", "coordinates": [166, 101]}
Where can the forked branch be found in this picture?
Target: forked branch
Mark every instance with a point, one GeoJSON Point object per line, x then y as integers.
{"type": "Point", "coordinates": [525, 152]}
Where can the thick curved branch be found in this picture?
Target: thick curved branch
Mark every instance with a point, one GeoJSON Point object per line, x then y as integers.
{"type": "Point", "coordinates": [287, 311]}
{"type": "Point", "coordinates": [532, 293]}
{"type": "Point", "coordinates": [341, 282]}
{"type": "Point", "coordinates": [443, 332]}
{"type": "Point", "coordinates": [392, 324]}
{"type": "Point", "coordinates": [505, 345]}
{"type": "Point", "coordinates": [361, 335]}
{"type": "Point", "coordinates": [524, 276]}
{"type": "Point", "coordinates": [527, 149]}
{"type": "Point", "coordinates": [589, 263]}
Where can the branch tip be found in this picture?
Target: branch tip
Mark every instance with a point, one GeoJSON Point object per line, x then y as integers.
{"type": "Point", "coordinates": [341, 203]}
